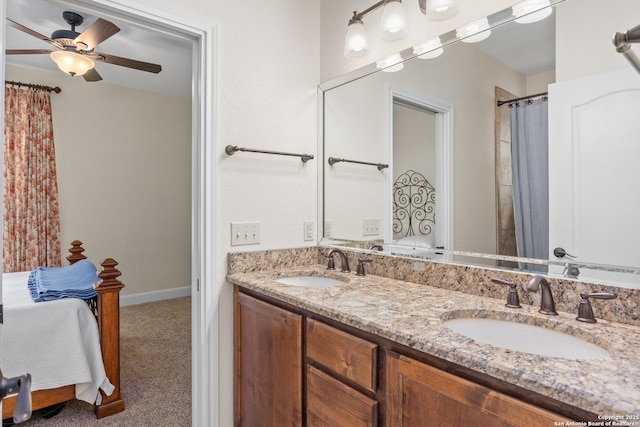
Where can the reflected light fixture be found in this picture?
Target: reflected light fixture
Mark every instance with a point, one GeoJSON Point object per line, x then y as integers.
{"type": "Point", "coordinates": [437, 10]}
{"type": "Point", "coordinates": [72, 63]}
{"type": "Point", "coordinates": [391, 63]}
{"type": "Point", "coordinates": [475, 31]}
{"type": "Point", "coordinates": [394, 25]}
{"type": "Point", "coordinates": [430, 49]}
{"type": "Point", "coordinates": [531, 11]}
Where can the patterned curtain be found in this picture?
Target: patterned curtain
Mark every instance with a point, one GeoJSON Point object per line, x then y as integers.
{"type": "Point", "coordinates": [31, 223]}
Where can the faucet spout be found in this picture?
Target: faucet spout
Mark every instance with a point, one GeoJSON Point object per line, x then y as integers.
{"type": "Point", "coordinates": [547, 306]}
{"type": "Point", "coordinates": [343, 256]}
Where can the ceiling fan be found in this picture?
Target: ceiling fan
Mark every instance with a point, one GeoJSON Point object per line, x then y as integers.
{"type": "Point", "coordinates": [75, 54]}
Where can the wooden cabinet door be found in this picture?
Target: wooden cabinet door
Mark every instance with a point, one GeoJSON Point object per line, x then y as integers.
{"type": "Point", "coordinates": [268, 364]}
{"type": "Point", "coordinates": [420, 395]}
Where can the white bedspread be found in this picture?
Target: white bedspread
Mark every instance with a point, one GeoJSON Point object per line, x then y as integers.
{"type": "Point", "coordinates": [57, 342]}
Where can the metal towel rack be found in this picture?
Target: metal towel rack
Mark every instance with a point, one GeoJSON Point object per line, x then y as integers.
{"type": "Point", "coordinates": [334, 160]}
{"type": "Point", "coordinates": [230, 149]}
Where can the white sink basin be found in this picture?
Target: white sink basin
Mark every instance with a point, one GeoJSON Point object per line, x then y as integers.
{"type": "Point", "coordinates": [525, 338]}
{"type": "Point", "coordinates": [310, 281]}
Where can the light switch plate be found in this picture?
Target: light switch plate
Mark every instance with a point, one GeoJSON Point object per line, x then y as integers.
{"type": "Point", "coordinates": [308, 231]}
{"type": "Point", "coordinates": [370, 227]}
{"type": "Point", "coordinates": [328, 228]}
{"type": "Point", "coordinates": [245, 233]}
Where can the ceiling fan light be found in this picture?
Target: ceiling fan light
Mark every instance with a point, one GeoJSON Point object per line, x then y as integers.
{"type": "Point", "coordinates": [530, 11]}
{"type": "Point", "coordinates": [393, 24]}
{"type": "Point", "coordinates": [72, 63]}
{"type": "Point", "coordinates": [437, 10]}
{"type": "Point", "coordinates": [355, 41]}
{"type": "Point", "coordinates": [475, 31]}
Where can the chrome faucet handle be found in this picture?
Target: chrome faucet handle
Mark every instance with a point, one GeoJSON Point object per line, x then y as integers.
{"type": "Point", "coordinates": [360, 267]}
{"type": "Point", "coordinates": [585, 312]}
{"type": "Point", "coordinates": [513, 301]}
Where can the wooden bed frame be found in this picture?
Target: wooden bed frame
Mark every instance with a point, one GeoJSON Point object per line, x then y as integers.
{"type": "Point", "coordinates": [107, 310]}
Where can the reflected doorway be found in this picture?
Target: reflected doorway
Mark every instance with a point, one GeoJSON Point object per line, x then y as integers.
{"type": "Point", "coordinates": [420, 172]}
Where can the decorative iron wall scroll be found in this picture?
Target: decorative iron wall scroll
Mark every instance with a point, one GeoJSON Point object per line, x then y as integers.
{"type": "Point", "coordinates": [414, 202]}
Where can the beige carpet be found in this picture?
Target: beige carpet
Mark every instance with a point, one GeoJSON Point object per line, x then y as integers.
{"type": "Point", "coordinates": [155, 341]}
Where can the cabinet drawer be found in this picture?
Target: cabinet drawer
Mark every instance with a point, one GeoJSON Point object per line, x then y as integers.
{"type": "Point", "coordinates": [342, 353]}
{"type": "Point", "coordinates": [331, 403]}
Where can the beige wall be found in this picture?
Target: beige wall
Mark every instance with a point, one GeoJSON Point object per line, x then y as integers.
{"type": "Point", "coordinates": [414, 146]}
{"type": "Point", "coordinates": [538, 83]}
{"type": "Point", "coordinates": [124, 176]}
{"type": "Point", "coordinates": [584, 36]}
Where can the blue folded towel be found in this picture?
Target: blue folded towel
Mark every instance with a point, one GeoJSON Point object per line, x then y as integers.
{"type": "Point", "coordinates": [74, 281]}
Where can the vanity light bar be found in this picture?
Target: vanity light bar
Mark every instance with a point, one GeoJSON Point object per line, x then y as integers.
{"type": "Point", "coordinates": [334, 160]}
{"type": "Point", "coordinates": [231, 149]}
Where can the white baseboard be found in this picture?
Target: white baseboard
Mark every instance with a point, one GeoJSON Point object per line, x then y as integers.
{"type": "Point", "coordinates": [152, 296]}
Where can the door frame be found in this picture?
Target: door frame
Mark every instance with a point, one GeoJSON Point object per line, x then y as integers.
{"type": "Point", "coordinates": [444, 162]}
{"type": "Point", "coordinates": [204, 320]}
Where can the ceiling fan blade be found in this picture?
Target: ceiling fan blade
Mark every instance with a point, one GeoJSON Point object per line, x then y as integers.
{"type": "Point", "coordinates": [27, 51]}
{"type": "Point", "coordinates": [33, 33]}
{"type": "Point", "coordinates": [92, 76]}
{"type": "Point", "coordinates": [96, 33]}
{"type": "Point", "coordinates": [126, 62]}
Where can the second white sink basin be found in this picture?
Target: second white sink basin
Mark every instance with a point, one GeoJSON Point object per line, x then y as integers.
{"type": "Point", "coordinates": [310, 281]}
{"type": "Point", "coordinates": [525, 338]}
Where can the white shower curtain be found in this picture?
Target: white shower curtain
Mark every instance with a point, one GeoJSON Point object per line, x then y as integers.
{"type": "Point", "coordinates": [530, 169]}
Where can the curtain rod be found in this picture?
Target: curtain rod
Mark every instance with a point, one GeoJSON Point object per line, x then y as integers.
{"type": "Point", "coordinates": [521, 98]}
{"type": "Point", "coordinates": [33, 86]}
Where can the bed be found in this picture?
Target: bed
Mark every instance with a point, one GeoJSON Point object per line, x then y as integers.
{"type": "Point", "coordinates": [90, 371]}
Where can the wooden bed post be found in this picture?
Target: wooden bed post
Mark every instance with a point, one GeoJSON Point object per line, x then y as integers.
{"type": "Point", "coordinates": [76, 250]}
{"type": "Point", "coordinates": [109, 326]}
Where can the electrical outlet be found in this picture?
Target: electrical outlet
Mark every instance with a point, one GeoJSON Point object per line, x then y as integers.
{"type": "Point", "coordinates": [370, 227]}
{"type": "Point", "coordinates": [308, 231]}
{"type": "Point", "coordinates": [328, 225]}
{"type": "Point", "coordinates": [245, 233]}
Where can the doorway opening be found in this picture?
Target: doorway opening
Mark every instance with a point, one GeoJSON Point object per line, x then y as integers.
{"type": "Point", "coordinates": [203, 189]}
{"type": "Point", "coordinates": [420, 153]}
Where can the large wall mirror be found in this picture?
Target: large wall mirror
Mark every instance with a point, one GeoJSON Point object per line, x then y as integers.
{"type": "Point", "coordinates": [421, 159]}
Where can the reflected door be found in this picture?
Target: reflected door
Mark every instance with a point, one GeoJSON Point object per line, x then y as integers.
{"type": "Point", "coordinates": [594, 140]}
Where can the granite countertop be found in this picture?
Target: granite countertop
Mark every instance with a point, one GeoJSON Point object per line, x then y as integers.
{"type": "Point", "coordinates": [412, 315]}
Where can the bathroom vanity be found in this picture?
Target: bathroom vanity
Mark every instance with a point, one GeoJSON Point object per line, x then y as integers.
{"type": "Point", "coordinates": [375, 351]}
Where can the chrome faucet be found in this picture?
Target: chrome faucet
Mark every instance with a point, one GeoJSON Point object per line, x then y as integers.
{"type": "Point", "coordinates": [547, 305]}
{"type": "Point", "coordinates": [345, 260]}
